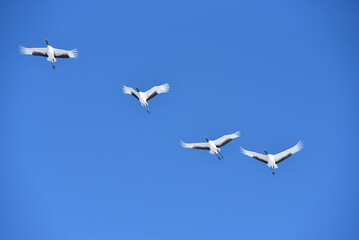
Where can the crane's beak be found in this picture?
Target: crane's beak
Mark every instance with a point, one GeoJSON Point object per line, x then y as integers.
{"type": "Point", "coordinates": [265, 151]}
{"type": "Point", "coordinates": [207, 139]}
{"type": "Point", "coordinates": [47, 43]}
{"type": "Point", "coordinates": [137, 89]}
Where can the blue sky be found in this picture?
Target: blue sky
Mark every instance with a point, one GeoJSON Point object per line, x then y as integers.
{"type": "Point", "coordinates": [81, 160]}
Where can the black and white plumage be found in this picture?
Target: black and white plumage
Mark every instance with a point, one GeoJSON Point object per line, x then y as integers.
{"type": "Point", "coordinates": [273, 160]}
{"type": "Point", "coordinates": [213, 146]}
{"type": "Point", "coordinates": [143, 97]}
{"type": "Point", "coordinates": [49, 52]}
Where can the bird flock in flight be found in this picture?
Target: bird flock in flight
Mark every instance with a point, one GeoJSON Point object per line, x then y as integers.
{"type": "Point", "coordinates": [212, 145]}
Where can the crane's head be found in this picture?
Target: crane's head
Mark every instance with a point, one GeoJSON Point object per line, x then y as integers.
{"type": "Point", "coordinates": [47, 43]}
{"type": "Point", "coordinates": [265, 151]}
{"type": "Point", "coordinates": [137, 89]}
{"type": "Point", "coordinates": [207, 139]}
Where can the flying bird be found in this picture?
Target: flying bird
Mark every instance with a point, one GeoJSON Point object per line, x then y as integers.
{"type": "Point", "coordinates": [49, 52]}
{"type": "Point", "coordinates": [143, 97]}
{"type": "Point", "coordinates": [273, 160]}
{"type": "Point", "coordinates": [213, 146]}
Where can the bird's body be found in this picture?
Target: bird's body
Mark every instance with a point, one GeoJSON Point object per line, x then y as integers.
{"type": "Point", "coordinates": [143, 97]}
{"type": "Point", "coordinates": [49, 52]}
{"type": "Point", "coordinates": [273, 160]}
{"type": "Point", "coordinates": [212, 146]}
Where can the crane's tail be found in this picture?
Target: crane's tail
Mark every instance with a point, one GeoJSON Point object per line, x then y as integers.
{"type": "Point", "coordinates": [211, 152]}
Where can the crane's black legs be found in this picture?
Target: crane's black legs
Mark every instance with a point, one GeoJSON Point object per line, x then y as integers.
{"type": "Point", "coordinates": [219, 157]}
{"type": "Point", "coordinates": [53, 66]}
{"type": "Point", "coordinates": [148, 110]}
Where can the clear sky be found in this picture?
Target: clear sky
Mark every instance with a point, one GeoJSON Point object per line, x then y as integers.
{"type": "Point", "coordinates": [81, 160]}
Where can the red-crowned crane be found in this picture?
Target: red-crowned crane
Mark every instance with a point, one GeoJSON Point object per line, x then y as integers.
{"type": "Point", "coordinates": [213, 146]}
{"type": "Point", "coordinates": [273, 160]}
{"type": "Point", "coordinates": [49, 52]}
{"type": "Point", "coordinates": [143, 97]}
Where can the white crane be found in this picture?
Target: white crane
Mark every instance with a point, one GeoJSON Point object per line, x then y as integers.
{"type": "Point", "coordinates": [213, 146]}
{"type": "Point", "coordinates": [49, 52]}
{"type": "Point", "coordinates": [273, 160]}
{"type": "Point", "coordinates": [143, 97]}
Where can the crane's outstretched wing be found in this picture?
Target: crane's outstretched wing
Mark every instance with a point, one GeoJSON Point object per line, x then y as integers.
{"type": "Point", "coordinates": [204, 146]}
{"type": "Point", "coordinates": [59, 53]}
{"type": "Point", "coordinates": [156, 90]}
{"type": "Point", "coordinates": [34, 51]}
{"type": "Point", "coordinates": [128, 90]}
{"type": "Point", "coordinates": [226, 139]}
{"type": "Point", "coordinates": [258, 156]}
{"type": "Point", "coordinates": [287, 153]}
